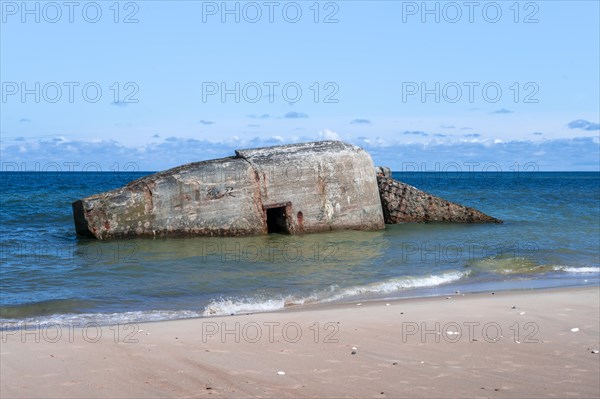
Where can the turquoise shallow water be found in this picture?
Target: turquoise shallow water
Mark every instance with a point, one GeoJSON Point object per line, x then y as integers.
{"type": "Point", "coordinates": [551, 237]}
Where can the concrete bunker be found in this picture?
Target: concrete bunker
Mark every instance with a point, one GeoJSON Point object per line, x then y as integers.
{"type": "Point", "coordinates": [288, 189]}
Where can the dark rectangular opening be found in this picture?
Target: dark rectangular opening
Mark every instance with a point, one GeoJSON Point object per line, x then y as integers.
{"type": "Point", "coordinates": [277, 220]}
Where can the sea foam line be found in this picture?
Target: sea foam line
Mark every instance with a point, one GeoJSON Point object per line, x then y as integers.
{"type": "Point", "coordinates": [230, 306]}
{"type": "Point", "coordinates": [83, 320]}
{"type": "Point", "coordinates": [571, 269]}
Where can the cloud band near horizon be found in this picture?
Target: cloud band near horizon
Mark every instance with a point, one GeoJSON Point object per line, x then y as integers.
{"type": "Point", "coordinates": [576, 154]}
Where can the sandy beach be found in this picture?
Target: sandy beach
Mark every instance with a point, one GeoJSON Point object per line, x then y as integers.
{"type": "Point", "coordinates": [519, 344]}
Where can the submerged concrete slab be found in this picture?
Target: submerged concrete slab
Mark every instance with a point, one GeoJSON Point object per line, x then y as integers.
{"type": "Point", "coordinates": [403, 203]}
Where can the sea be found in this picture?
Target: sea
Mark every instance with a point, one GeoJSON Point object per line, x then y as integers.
{"type": "Point", "coordinates": [550, 238]}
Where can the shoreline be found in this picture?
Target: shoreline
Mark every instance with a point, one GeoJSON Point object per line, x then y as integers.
{"type": "Point", "coordinates": [476, 345]}
{"type": "Point", "coordinates": [422, 298]}
{"type": "Point", "coordinates": [448, 289]}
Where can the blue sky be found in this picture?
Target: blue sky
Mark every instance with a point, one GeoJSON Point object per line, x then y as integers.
{"type": "Point", "coordinates": [155, 84]}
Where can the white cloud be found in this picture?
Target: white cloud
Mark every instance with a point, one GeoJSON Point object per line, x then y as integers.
{"type": "Point", "coordinates": [327, 134]}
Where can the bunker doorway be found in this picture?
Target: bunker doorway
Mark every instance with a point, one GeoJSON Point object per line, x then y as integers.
{"type": "Point", "coordinates": [277, 220]}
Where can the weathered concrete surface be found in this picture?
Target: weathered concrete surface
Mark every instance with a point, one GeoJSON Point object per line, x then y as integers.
{"type": "Point", "coordinates": [311, 187]}
{"type": "Point", "coordinates": [330, 183]}
{"type": "Point", "coordinates": [187, 200]}
{"type": "Point", "coordinates": [403, 203]}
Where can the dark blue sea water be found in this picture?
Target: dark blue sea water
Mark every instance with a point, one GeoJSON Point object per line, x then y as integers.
{"type": "Point", "coordinates": [551, 237]}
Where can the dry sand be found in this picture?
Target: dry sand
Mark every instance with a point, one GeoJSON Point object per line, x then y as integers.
{"type": "Point", "coordinates": [374, 350]}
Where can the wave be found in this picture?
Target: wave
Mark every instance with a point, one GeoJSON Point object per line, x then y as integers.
{"type": "Point", "coordinates": [261, 303]}
{"type": "Point", "coordinates": [231, 306]}
{"type": "Point", "coordinates": [508, 265]}
{"type": "Point", "coordinates": [399, 284]}
{"type": "Point", "coordinates": [513, 265]}
{"type": "Point", "coordinates": [570, 269]}
{"type": "Point", "coordinates": [97, 319]}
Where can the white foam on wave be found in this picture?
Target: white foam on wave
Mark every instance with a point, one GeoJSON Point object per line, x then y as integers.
{"type": "Point", "coordinates": [399, 284]}
{"type": "Point", "coordinates": [229, 306]}
{"type": "Point", "coordinates": [99, 319]}
{"type": "Point", "coordinates": [570, 269]}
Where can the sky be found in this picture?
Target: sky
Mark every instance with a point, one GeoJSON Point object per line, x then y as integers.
{"type": "Point", "coordinates": [435, 85]}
